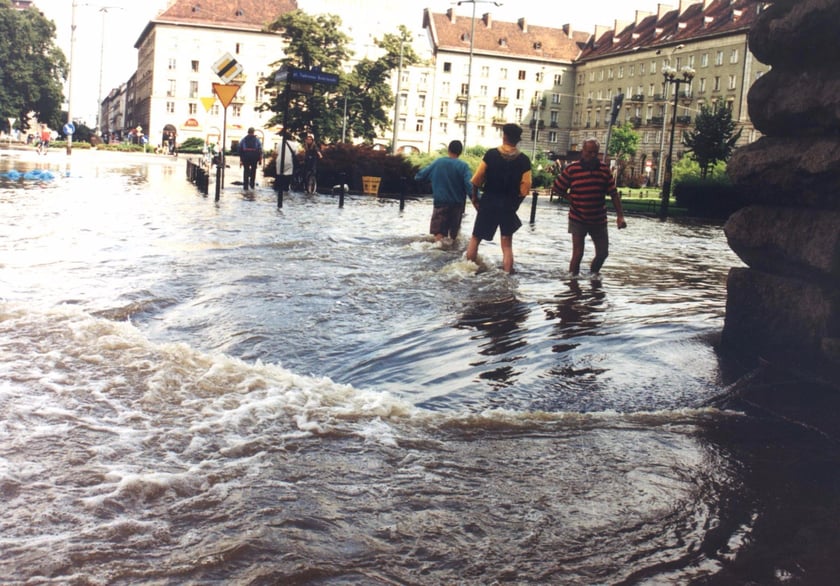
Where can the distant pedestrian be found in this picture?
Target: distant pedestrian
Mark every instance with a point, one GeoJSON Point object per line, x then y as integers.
{"type": "Point", "coordinates": [585, 185]}
{"type": "Point", "coordinates": [285, 164]}
{"type": "Point", "coordinates": [44, 139]}
{"type": "Point", "coordinates": [505, 177]}
{"type": "Point", "coordinates": [450, 178]}
{"type": "Point", "coordinates": [250, 156]}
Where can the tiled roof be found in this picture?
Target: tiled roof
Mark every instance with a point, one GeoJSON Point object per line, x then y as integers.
{"type": "Point", "coordinates": [240, 14]}
{"type": "Point", "coordinates": [695, 22]}
{"type": "Point", "coordinates": [510, 39]}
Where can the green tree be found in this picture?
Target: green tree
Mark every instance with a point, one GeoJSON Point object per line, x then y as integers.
{"type": "Point", "coordinates": [624, 143]}
{"type": "Point", "coordinates": [33, 67]}
{"type": "Point", "coordinates": [363, 92]}
{"type": "Point", "coordinates": [713, 138]}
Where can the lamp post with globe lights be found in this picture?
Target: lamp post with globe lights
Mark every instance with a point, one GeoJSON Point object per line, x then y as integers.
{"type": "Point", "coordinates": [677, 78]}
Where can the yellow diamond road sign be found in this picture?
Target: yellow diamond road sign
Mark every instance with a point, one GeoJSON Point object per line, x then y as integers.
{"type": "Point", "coordinates": [227, 68]}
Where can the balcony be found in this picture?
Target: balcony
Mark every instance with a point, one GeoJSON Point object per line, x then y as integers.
{"type": "Point", "coordinates": [637, 98]}
{"type": "Point", "coordinates": [636, 121]}
{"type": "Point", "coordinates": [500, 101]}
{"type": "Point", "coordinates": [462, 98]}
{"type": "Point", "coordinates": [531, 124]}
{"type": "Point", "coordinates": [499, 121]}
{"type": "Point", "coordinates": [659, 98]}
{"type": "Point", "coordinates": [460, 117]}
{"type": "Point", "coordinates": [683, 119]}
{"type": "Point", "coordinates": [554, 124]}
{"type": "Point", "coordinates": [656, 121]}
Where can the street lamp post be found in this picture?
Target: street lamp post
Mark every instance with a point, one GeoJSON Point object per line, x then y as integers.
{"type": "Point", "coordinates": [104, 10]}
{"type": "Point", "coordinates": [469, 65]}
{"type": "Point", "coordinates": [677, 78]}
{"type": "Point", "coordinates": [397, 102]}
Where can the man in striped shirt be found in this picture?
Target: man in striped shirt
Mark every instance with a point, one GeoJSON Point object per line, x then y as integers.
{"type": "Point", "coordinates": [585, 185]}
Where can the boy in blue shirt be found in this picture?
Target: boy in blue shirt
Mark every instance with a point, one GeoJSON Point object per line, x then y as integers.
{"type": "Point", "coordinates": [450, 178]}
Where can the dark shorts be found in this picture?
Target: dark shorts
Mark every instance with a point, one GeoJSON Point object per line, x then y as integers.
{"type": "Point", "coordinates": [492, 215]}
{"type": "Point", "coordinates": [598, 232]}
{"type": "Point", "coordinates": [446, 220]}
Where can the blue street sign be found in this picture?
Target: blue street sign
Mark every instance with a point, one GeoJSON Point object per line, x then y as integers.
{"type": "Point", "coordinates": [69, 128]}
{"type": "Point", "coordinates": [312, 76]}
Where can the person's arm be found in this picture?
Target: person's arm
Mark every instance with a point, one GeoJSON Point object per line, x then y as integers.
{"type": "Point", "coordinates": [619, 211]}
{"type": "Point", "coordinates": [477, 181]}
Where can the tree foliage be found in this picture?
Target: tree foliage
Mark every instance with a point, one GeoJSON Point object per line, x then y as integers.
{"type": "Point", "coordinates": [713, 138]}
{"type": "Point", "coordinates": [33, 67]}
{"type": "Point", "coordinates": [363, 92]}
{"type": "Point", "coordinates": [624, 142]}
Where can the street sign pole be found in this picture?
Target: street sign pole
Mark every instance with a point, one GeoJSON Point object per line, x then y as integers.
{"type": "Point", "coordinates": [225, 93]}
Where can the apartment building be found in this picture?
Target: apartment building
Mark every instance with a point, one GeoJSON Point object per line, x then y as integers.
{"type": "Point", "coordinates": [172, 88]}
{"type": "Point", "coordinates": [487, 73]}
{"type": "Point", "coordinates": [558, 83]}
{"type": "Point", "coordinates": [709, 36]}
{"type": "Point", "coordinates": [573, 77]}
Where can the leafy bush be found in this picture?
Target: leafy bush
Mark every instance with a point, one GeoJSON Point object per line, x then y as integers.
{"type": "Point", "coordinates": [192, 146]}
{"type": "Point", "coordinates": [713, 198]}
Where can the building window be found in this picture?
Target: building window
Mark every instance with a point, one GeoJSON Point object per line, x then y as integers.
{"type": "Point", "coordinates": [552, 136]}
{"type": "Point", "coordinates": [194, 66]}
{"type": "Point", "coordinates": [503, 73]}
{"type": "Point", "coordinates": [558, 79]}
{"type": "Point", "coordinates": [620, 72]}
{"type": "Point", "coordinates": [652, 67]}
{"type": "Point", "coordinates": [238, 48]}
{"type": "Point", "coordinates": [170, 88]}
{"type": "Point", "coordinates": [236, 110]}
{"type": "Point", "coordinates": [517, 115]}
{"type": "Point", "coordinates": [540, 75]}
{"type": "Point", "coordinates": [704, 60]}
{"type": "Point", "coordinates": [192, 108]}
{"type": "Point", "coordinates": [521, 75]}
{"type": "Point", "coordinates": [732, 80]}
{"type": "Point", "coordinates": [170, 107]}
{"type": "Point", "coordinates": [444, 109]}
{"type": "Point", "coordinates": [717, 84]}
{"type": "Point", "coordinates": [171, 65]}
{"type": "Point", "coordinates": [482, 91]}
{"type": "Point", "coordinates": [193, 89]}
{"type": "Point", "coordinates": [733, 56]}
{"type": "Point", "coordinates": [520, 93]}
{"type": "Point", "coordinates": [447, 67]}
{"type": "Point", "coordinates": [485, 71]}
{"type": "Point", "coordinates": [216, 110]}
{"type": "Point", "coordinates": [444, 127]}
{"type": "Point", "coordinates": [719, 58]}
{"type": "Point", "coordinates": [702, 88]}
{"type": "Point", "coordinates": [482, 112]}
{"type": "Point", "coordinates": [555, 98]}
{"type": "Point", "coordinates": [418, 126]}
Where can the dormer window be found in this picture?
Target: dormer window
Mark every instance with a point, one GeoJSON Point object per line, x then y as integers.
{"type": "Point", "coordinates": [538, 45]}
{"type": "Point", "coordinates": [465, 37]}
{"type": "Point", "coordinates": [240, 12]}
{"type": "Point", "coordinates": [196, 8]}
{"type": "Point", "coordinates": [503, 42]}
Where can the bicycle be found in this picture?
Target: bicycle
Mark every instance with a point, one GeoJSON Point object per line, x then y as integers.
{"type": "Point", "coordinates": [304, 180]}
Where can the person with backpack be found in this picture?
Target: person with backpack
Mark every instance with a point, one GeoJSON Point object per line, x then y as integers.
{"type": "Point", "coordinates": [504, 175]}
{"type": "Point", "coordinates": [250, 156]}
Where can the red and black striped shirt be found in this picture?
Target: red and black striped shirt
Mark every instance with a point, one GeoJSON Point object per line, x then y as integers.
{"type": "Point", "coordinates": [587, 191]}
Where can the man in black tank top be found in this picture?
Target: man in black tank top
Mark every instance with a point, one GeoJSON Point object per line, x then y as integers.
{"type": "Point", "coordinates": [504, 175]}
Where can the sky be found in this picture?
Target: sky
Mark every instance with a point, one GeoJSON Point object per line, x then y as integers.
{"type": "Point", "coordinates": [106, 30]}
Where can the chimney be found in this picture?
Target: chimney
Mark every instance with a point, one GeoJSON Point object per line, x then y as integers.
{"type": "Point", "coordinates": [450, 14]}
{"type": "Point", "coordinates": [641, 15]}
{"type": "Point", "coordinates": [662, 10]}
{"type": "Point", "coordinates": [600, 29]}
{"type": "Point", "coordinates": [488, 20]}
{"type": "Point", "coordinates": [523, 25]}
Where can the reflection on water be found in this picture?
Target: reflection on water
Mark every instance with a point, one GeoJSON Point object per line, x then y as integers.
{"type": "Point", "coordinates": [224, 392]}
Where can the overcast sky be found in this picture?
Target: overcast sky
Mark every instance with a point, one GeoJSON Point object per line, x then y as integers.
{"type": "Point", "coordinates": [106, 30]}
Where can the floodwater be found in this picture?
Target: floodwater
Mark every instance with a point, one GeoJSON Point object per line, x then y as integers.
{"type": "Point", "coordinates": [196, 392]}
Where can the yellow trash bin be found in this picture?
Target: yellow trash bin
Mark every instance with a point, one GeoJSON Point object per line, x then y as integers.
{"type": "Point", "coordinates": [370, 185]}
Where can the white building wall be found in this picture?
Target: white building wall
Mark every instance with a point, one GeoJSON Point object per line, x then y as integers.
{"type": "Point", "coordinates": [183, 75]}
